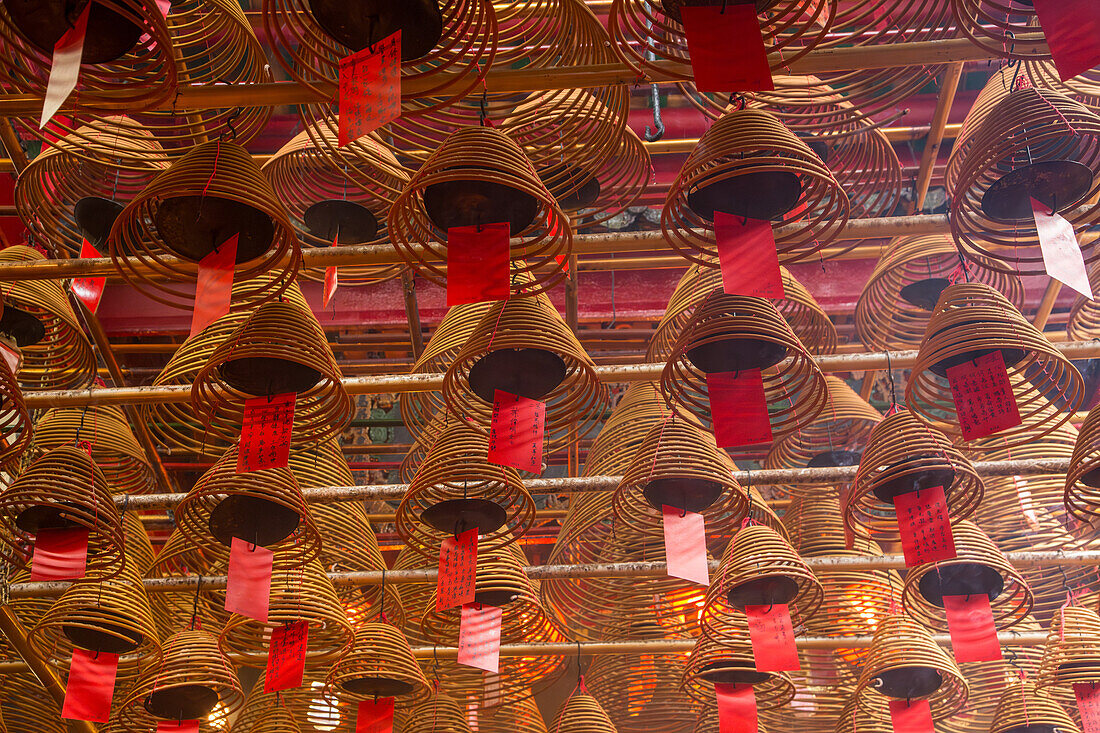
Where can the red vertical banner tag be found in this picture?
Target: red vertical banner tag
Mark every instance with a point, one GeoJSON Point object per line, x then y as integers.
{"type": "Point", "coordinates": [12, 357]}
{"type": "Point", "coordinates": [924, 526]}
{"type": "Point", "coordinates": [89, 289]}
{"type": "Point", "coordinates": [248, 587]}
{"type": "Point", "coordinates": [331, 279]}
{"type": "Point", "coordinates": [266, 431]}
{"type": "Point", "coordinates": [477, 263]}
{"type": "Point", "coordinates": [59, 554]}
{"type": "Point", "coordinates": [914, 716]}
{"type": "Point", "coordinates": [370, 89]}
{"type": "Point", "coordinates": [90, 686]}
{"type": "Point", "coordinates": [983, 396]}
{"type": "Point", "coordinates": [214, 286]}
{"type": "Point", "coordinates": [479, 637]}
{"type": "Point", "coordinates": [727, 48]}
{"type": "Point", "coordinates": [747, 255]}
{"type": "Point", "coordinates": [739, 408]}
{"type": "Point", "coordinates": [1072, 30]}
{"type": "Point", "coordinates": [772, 635]}
{"type": "Point", "coordinates": [65, 68]}
{"type": "Point", "coordinates": [736, 708]}
{"type": "Point", "coordinates": [973, 632]}
{"type": "Point", "coordinates": [457, 571]}
{"type": "Point", "coordinates": [286, 657]}
{"type": "Point", "coordinates": [177, 726]}
{"type": "Point", "coordinates": [1062, 258]}
{"type": "Point", "coordinates": [375, 716]}
{"type": "Point", "coordinates": [685, 545]}
{"type": "Point", "coordinates": [515, 433]}
{"type": "Point", "coordinates": [1088, 703]}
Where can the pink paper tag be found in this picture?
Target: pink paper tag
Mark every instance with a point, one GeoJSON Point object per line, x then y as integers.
{"type": "Point", "coordinates": [1088, 703]}
{"type": "Point", "coordinates": [736, 708]}
{"type": "Point", "coordinates": [65, 69]}
{"type": "Point", "coordinates": [59, 554]}
{"type": "Point", "coordinates": [924, 526]}
{"type": "Point", "coordinates": [248, 588]}
{"type": "Point", "coordinates": [370, 89]}
{"type": "Point", "coordinates": [973, 632]}
{"type": "Point", "coordinates": [772, 635]}
{"type": "Point", "coordinates": [331, 281]}
{"type": "Point", "coordinates": [983, 397]}
{"type": "Point", "coordinates": [477, 263]}
{"type": "Point", "coordinates": [516, 431]}
{"type": "Point", "coordinates": [747, 255]}
{"type": "Point", "coordinates": [375, 716]}
{"type": "Point", "coordinates": [686, 545]}
{"type": "Point", "coordinates": [89, 289]}
{"type": "Point", "coordinates": [914, 716]}
{"type": "Point", "coordinates": [177, 726]}
{"type": "Point", "coordinates": [214, 287]}
{"type": "Point", "coordinates": [457, 571]}
{"type": "Point", "coordinates": [727, 48]}
{"type": "Point", "coordinates": [479, 637]}
{"type": "Point", "coordinates": [286, 657]}
{"type": "Point", "coordinates": [1072, 30]}
{"type": "Point", "coordinates": [266, 432]}
{"type": "Point", "coordinates": [12, 356]}
{"type": "Point", "coordinates": [90, 686]}
{"type": "Point", "coordinates": [739, 408]}
{"type": "Point", "coordinates": [1062, 256]}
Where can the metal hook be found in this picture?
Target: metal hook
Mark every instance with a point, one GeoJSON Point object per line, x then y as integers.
{"type": "Point", "coordinates": [484, 114]}
{"type": "Point", "coordinates": [232, 131]}
{"type": "Point", "coordinates": [658, 123]}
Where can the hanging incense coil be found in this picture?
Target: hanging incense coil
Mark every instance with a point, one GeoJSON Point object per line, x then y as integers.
{"type": "Point", "coordinates": [200, 607]}
{"type": "Point", "coordinates": [904, 663]}
{"type": "Point", "coordinates": [38, 319]}
{"type": "Point", "coordinates": [1071, 655]}
{"type": "Point", "coordinates": [211, 194]}
{"type": "Point", "coordinates": [732, 333]}
{"type": "Point", "coordinates": [175, 424]}
{"type": "Point", "coordinates": [519, 717]}
{"type": "Point", "coordinates": [972, 320]}
{"type": "Point", "coordinates": [893, 310]}
{"type": "Point", "coordinates": [1035, 144]}
{"type": "Point", "coordinates": [25, 705]}
{"type": "Point", "coordinates": [1084, 316]}
{"type": "Point", "coordinates": [641, 693]}
{"type": "Point", "coordinates": [300, 591]}
{"type": "Point", "coordinates": [114, 448]}
{"type": "Point", "coordinates": [904, 455]}
{"type": "Point", "coordinates": [456, 489]}
{"type": "Point", "coordinates": [380, 664]}
{"type": "Point", "coordinates": [193, 678]}
{"type": "Point", "coordinates": [836, 438]}
{"type": "Point", "coordinates": [1024, 704]}
{"type": "Point", "coordinates": [280, 348]}
{"type": "Point", "coordinates": [263, 507]}
{"type": "Point", "coordinates": [744, 153]}
{"type": "Point", "coordinates": [824, 688]}
{"type": "Point", "coordinates": [450, 191]}
{"type": "Point", "coordinates": [803, 314]}
{"type": "Point", "coordinates": [139, 550]}
{"type": "Point", "coordinates": [759, 568]}
{"type": "Point", "coordinates": [64, 489]}
{"type": "Point", "coordinates": [127, 62]}
{"type": "Point", "coordinates": [623, 178]}
{"type": "Point", "coordinates": [581, 713]}
{"type": "Point", "coordinates": [531, 353]}
{"type": "Point", "coordinates": [434, 715]}
{"type": "Point", "coordinates": [15, 421]}
{"type": "Point", "coordinates": [306, 706]}
{"type": "Point", "coordinates": [854, 717]}
{"type": "Point", "coordinates": [338, 196]}
{"type": "Point", "coordinates": [101, 613]}
{"type": "Point", "coordinates": [1001, 27]}
{"type": "Point", "coordinates": [1000, 83]}
{"type": "Point", "coordinates": [979, 568]}
{"type": "Point", "coordinates": [729, 660]}
{"type": "Point", "coordinates": [277, 719]}
{"type": "Point", "coordinates": [1081, 496]}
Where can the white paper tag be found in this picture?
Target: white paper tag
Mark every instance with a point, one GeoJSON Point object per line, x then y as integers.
{"type": "Point", "coordinates": [65, 69]}
{"type": "Point", "coordinates": [13, 357]}
{"type": "Point", "coordinates": [1062, 256]}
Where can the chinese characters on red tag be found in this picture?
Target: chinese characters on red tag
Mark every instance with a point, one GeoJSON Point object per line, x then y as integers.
{"type": "Point", "coordinates": [479, 637]}
{"type": "Point", "coordinates": [983, 396]}
{"type": "Point", "coordinates": [515, 434]}
{"type": "Point", "coordinates": [739, 408]}
{"type": "Point", "coordinates": [924, 525]}
{"type": "Point", "coordinates": [370, 89]}
{"type": "Point", "coordinates": [685, 545]}
{"type": "Point", "coordinates": [747, 255]}
{"type": "Point", "coordinates": [772, 636]}
{"type": "Point", "coordinates": [477, 263]}
{"type": "Point", "coordinates": [973, 633]}
{"type": "Point", "coordinates": [286, 657]}
{"type": "Point", "coordinates": [266, 432]}
{"type": "Point", "coordinates": [248, 587]}
{"type": "Point", "coordinates": [726, 47]}
{"type": "Point", "coordinates": [457, 571]}
{"type": "Point", "coordinates": [1088, 704]}
{"type": "Point", "coordinates": [214, 286]}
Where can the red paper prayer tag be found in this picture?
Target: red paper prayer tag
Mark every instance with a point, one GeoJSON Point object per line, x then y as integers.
{"type": "Point", "coordinates": [477, 263]}
{"type": "Point", "coordinates": [515, 434]}
{"type": "Point", "coordinates": [214, 287]}
{"type": "Point", "coordinates": [924, 526]}
{"type": "Point", "coordinates": [772, 635]}
{"type": "Point", "coordinates": [89, 289]}
{"type": "Point", "coordinates": [727, 48]}
{"type": "Point", "coordinates": [1072, 30]}
{"type": "Point", "coordinates": [739, 408]}
{"type": "Point", "coordinates": [266, 432]}
{"type": "Point", "coordinates": [747, 254]}
{"type": "Point", "coordinates": [479, 637]}
{"type": "Point", "coordinates": [65, 68]}
{"type": "Point", "coordinates": [736, 708]}
{"type": "Point", "coordinates": [248, 588]}
{"type": "Point", "coordinates": [370, 89]}
{"type": "Point", "coordinates": [286, 657]}
{"type": "Point", "coordinates": [973, 632]}
{"type": "Point", "coordinates": [331, 280]}
{"type": "Point", "coordinates": [457, 571]}
{"type": "Point", "coordinates": [1088, 703]}
{"type": "Point", "coordinates": [12, 357]}
{"type": "Point", "coordinates": [177, 726]}
{"type": "Point", "coordinates": [983, 396]}
{"type": "Point", "coordinates": [375, 716]}
{"type": "Point", "coordinates": [913, 716]}
{"type": "Point", "coordinates": [59, 554]}
{"type": "Point", "coordinates": [1062, 258]}
{"type": "Point", "coordinates": [90, 686]}
{"type": "Point", "coordinates": [685, 545]}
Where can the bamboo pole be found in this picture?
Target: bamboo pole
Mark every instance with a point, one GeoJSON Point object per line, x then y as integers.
{"type": "Point", "coordinates": [932, 145]}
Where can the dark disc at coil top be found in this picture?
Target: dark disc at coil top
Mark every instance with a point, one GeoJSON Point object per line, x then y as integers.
{"type": "Point", "coordinates": [530, 373]}
{"type": "Point", "coordinates": [359, 24]}
{"type": "Point", "coordinates": [1054, 183]}
{"type": "Point", "coordinates": [267, 376]}
{"type": "Point", "coordinates": [960, 579]}
{"type": "Point", "coordinates": [924, 294]}
{"type": "Point", "coordinates": [252, 518]}
{"type": "Point", "coordinates": [931, 474]}
{"type": "Point", "coordinates": [735, 354]}
{"type": "Point", "coordinates": [95, 216]}
{"type": "Point", "coordinates": [182, 702]}
{"type": "Point", "coordinates": [343, 221]}
{"type": "Point", "coordinates": [377, 686]}
{"type": "Point", "coordinates": [683, 493]}
{"type": "Point", "coordinates": [107, 637]}
{"type": "Point", "coordinates": [908, 683]}
{"type": "Point", "coordinates": [763, 195]}
{"type": "Point", "coordinates": [455, 516]}
{"type": "Point", "coordinates": [767, 590]}
{"type": "Point", "coordinates": [467, 203]}
{"type": "Point", "coordinates": [192, 226]}
{"type": "Point", "coordinates": [109, 36]}
{"type": "Point", "coordinates": [672, 7]}
{"type": "Point", "coordinates": [21, 326]}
